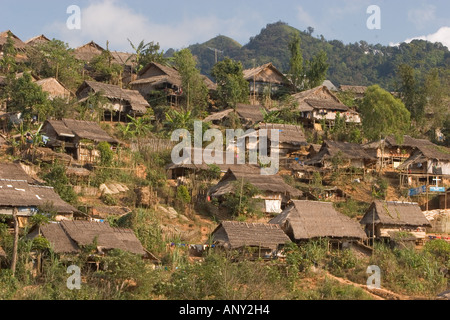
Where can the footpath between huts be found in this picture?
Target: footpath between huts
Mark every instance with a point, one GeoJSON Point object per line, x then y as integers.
{"type": "Point", "coordinates": [377, 294]}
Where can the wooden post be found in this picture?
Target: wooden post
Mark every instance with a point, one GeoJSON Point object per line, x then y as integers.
{"type": "Point", "coordinates": [16, 241]}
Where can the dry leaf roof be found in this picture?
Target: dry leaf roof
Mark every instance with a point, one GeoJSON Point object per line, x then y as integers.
{"type": "Point", "coordinates": [69, 236]}
{"type": "Point", "coordinates": [83, 129]}
{"type": "Point", "coordinates": [235, 235]}
{"type": "Point", "coordinates": [395, 214]}
{"type": "Point", "coordinates": [312, 219]}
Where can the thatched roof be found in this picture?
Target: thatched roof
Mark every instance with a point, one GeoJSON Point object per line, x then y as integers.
{"type": "Point", "coordinates": [395, 214]}
{"type": "Point", "coordinates": [18, 44]}
{"type": "Point", "coordinates": [266, 73]}
{"type": "Point", "coordinates": [319, 93]}
{"type": "Point", "coordinates": [346, 150]}
{"type": "Point", "coordinates": [54, 88]}
{"type": "Point", "coordinates": [162, 74]}
{"type": "Point", "coordinates": [391, 142]}
{"type": "Point", "coordinates": [136, 101]}
{"type": "Point", "coordinates": [327, 105]}
{"type": "Point", "coordinates": [265, 183]}
{"type": "Point", "coordinates": [235, 235]}
{"type": "Point", "coordinates": [82, 129]}
{"type": "Point", "coordinates": [306, 220]}
{"type": "Point", "coordinates": [37, 40]}
{"type": "Point", "coordinates": [88, 51]}
{"type": "Point", "coordinates": [14, 171]}
{"type": "Point", "coordinates": [248, 113]}
{"type": "Point", "coordinates": [123, 58]}
{"type": "Point", "coordinates": [69, 236]}
{"type": "Point", "coordinates": [424, 153]}
{"type": "Point", "coordinates": [353, 89]}
{"type": "Point", "coordinates": [290, 134]}
{"type": "Point", "coordinates": [21, 194]}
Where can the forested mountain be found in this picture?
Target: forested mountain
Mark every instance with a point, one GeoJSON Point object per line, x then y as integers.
{"type": "Point", "coordinates": [354, 64]}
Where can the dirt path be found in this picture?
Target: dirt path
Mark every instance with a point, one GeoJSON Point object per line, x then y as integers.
{"type": "Point", "coordinates": [377, 294]}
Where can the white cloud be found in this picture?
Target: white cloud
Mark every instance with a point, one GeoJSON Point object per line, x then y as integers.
{"type": "Point", "coordinates": [442, 36]}
{"type": "Point", "coordinates": [113, 21]}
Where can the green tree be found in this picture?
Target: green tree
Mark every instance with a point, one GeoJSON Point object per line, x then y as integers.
{"type": "Point", "coordinates": [28, 98]}
{"type": "Point", "coordinates": [232, 88]}
{"type": "Point", "coordinates": [242, 202]}
{"type": "Point", "coordinates": [193, 84]}
{"type": "Point", "coordinates": [56, 177]}
{"type": "Point", "coordinates": [434, 92]}
{"type": "Point", "coordinates": [146, 53]}
{"type": "Point", "coordinates": [105, 69]}
{"type": "Point", "coordinates": [8, 61]}
{"type": "Point", "coordinates": [55, 59]}
{"type": "Point", "coordinates": [383, 115]}
{"type": "Point", "coordinates": [296, 71]}
{"type": "Point", "coordinates": [411, 92]}
{"type": "Point", "coordinates": [316, 70]}
{"type": "Point", "coordinates": [106, 154]}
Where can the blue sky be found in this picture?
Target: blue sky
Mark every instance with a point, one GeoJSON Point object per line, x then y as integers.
{"type": "Point", "coordinates": [179, 23]}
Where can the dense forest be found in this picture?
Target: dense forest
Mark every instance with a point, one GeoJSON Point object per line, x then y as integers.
{"type": "Point", "coordinates": [356, 63]}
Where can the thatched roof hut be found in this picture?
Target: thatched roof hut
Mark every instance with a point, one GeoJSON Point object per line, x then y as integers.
{"type": "Point", "coordinates": [54, 88]}
{"type": "Point", "coordinates": [272, 184]}
{"type": "Point", "coordinates": [130, 101]}
{"type": "Point", "coordinates": [395, 214]}
{"type": "Point", "coordinates": [307, 220]}
{"type": "Point", "coordinates": [68, 237]}
{"type": "Point", "coordinates": [234, 235]}
{"type": "Point", "coordinates": [38, 40]}
{"type": "Point", "coordinates": [18, 44]}
{"type": "Point", "coordinates": [266, 75]}
{"type": "Point", "coordinates": [351, 153]}
{"type": "Point", "coordinates": [70, 128]}
{"type": "Point", "coordinates": [248, 114]}
{"type": "Point", "coordinates": [21, 194]}
{"type": "Point", "coordinates": [88, 51]}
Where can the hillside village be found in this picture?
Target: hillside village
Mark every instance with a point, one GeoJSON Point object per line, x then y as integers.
{"type": "Point", "coordinates": [87, 177]}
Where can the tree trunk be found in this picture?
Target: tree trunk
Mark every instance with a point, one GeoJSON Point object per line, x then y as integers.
{"type": "Point", "coordinates": [16, 241]}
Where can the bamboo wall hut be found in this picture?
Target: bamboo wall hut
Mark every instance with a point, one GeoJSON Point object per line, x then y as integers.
{"type": "Point", "coordinates": [320, 104]}
{"type": "Point", "coordinates": [274, 192]}
{"type": "Point", "coordinates": [28, 199]}
{"type": "Point", "coordinates": [68, 237]}
{"type": "Point", "coordinates": [391, 153]}
{"type": "Point", "coordinates": [349, 154]}
{"type": "Point", "coordinates": [77, 137]}
{"type": "Point", "coordinates": [266, 240]}
{"type": "Point", "coordinates": [249, 115]}
{"type": "Point", "coordinates": [121, 101]}
{"type": "Point", "coordinates": [384, 219]}
{"type": "Point", "coordinates": [266, 76]}
{"type": "Point", "coordinates": [310, 220]}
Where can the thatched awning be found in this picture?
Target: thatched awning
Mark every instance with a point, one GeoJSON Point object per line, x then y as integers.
{"type": "Point", "coordinates": [307, 220]}
{"type": "Point", "coordinates": [395, 214]}
{"type": "Point", "coordinates": [236, 235]}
